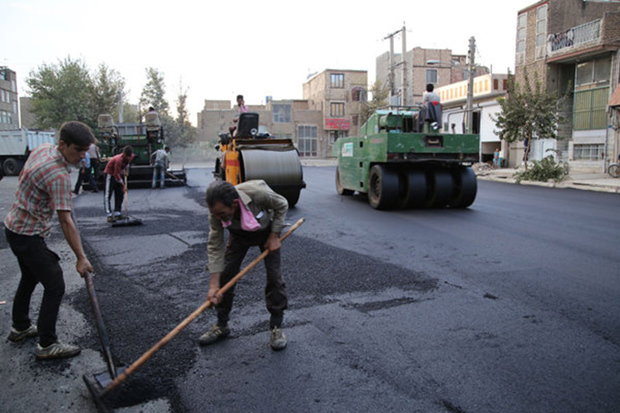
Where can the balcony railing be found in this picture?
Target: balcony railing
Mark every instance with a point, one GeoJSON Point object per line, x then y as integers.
{"type": "Point", "coordinates": [585, 33]}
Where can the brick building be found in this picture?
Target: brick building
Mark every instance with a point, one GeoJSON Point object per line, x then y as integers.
{"type": "Point", "coordinates": [572, 46]}
{"type": "Point", "coordinates": [9, 103]}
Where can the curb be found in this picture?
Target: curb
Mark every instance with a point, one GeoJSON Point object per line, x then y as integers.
{"type": "Point", "coordinates": [584, 186]}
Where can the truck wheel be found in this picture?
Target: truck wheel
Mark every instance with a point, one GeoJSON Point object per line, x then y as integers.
{"type": "Point", "coordinates": [413, 194]}
{"type": "Point", "coordinates": [339, 188]}
{"type": "Point", "coordinates": [12, 167]}
{"type": "Point", "coordinates": [465, 188]}
{"type": "Point", "coordinates": [383, 187]}
{"type": "Point", "coordinates": [440, 188]}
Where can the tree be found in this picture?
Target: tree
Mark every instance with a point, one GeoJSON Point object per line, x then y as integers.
{"type": "Point", "coordinates": [61, 92]}
{"type": "Point", "coordinates": [379, 100]}
{"type": "Point", "coordinates": [187, 132]}
{"type": "Point", "coordinates": [531, 113]}
{"type": "Point", "coordinates": [153, 93]}
{"type": "Point", "coordinates": [108, 87]}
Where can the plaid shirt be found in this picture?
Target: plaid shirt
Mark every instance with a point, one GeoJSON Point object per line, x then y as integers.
{"type": "Point", "coordinates": [44, 187]}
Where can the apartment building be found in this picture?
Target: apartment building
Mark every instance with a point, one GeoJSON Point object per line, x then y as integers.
{"type": "Point", "coordinates": [340, 95]}
{"type": "Point", "coordinates": [572, 47]}
{"type": "Point", "coordinates": [407, 82]}
{"type": "Point", "coordinates": [290, 119]}
{"type": "Point", "coordinates": [9, 103]}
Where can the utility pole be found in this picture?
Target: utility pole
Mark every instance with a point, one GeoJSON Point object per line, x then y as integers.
{"type": "Point", "coordinates": [404, 63]}
{"type": "Point", "coordinates": [391, 75]}
{"type": "Point", "coordinates": [470, 87]}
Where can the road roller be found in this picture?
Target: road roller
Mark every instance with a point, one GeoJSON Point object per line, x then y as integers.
{"type": "Point", "coordinates": [252, 155]}
{"type": "Point", "coordinates": [402, 160]}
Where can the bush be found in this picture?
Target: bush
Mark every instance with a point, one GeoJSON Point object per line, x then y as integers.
{"type": "Point", "coordinates": [543, 171]}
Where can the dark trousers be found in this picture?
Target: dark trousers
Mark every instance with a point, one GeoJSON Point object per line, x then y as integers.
{"type": "Point", "coordinates": [85, 176]}
{"type": "Point", "coordinates": [113, 188]}
{"type": "Point", "coordinates": [276, 297]}
{"type": "Point", "coordinates": [38, 264]}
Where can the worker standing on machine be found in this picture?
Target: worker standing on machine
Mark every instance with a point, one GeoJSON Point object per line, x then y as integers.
{"type": "Point", "coordinates": [114, 184]}
{"type": "Point", "coordinates": [254, 216]}
{"type": "Point", "coordinates": [242, 109]}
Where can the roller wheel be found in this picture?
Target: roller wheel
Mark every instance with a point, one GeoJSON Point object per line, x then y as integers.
{"type": "Point", "coordinates": [440, 188]}
{"type": "Point", "coordinates": [291, 195]}
{"type": "Point", "coordinates": [413, 190]}
{"type": "Point", "coordinates": [465, 188]}
{"type": "Point", "coordinates": [339, 188]}
{"type": "Point", "coordinates": [383, 185]}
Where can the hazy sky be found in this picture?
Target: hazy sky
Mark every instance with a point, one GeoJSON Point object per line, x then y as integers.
{"type": "Point", "coordinates": [261, 48]}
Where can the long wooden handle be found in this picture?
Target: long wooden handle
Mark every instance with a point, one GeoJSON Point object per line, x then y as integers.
{"type": "Point", "coordinates": [149, 353]}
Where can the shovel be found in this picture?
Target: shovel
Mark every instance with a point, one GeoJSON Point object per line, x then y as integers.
{"type": "Point", "coordinates": [99, 390]}
{"type": "Point", "coordinates": [127, 221]}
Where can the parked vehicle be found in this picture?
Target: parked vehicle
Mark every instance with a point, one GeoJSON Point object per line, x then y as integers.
{"type": "Point", "coordinates": [16, 145]}
{"type": "Point", "coordinates": [402, 160]}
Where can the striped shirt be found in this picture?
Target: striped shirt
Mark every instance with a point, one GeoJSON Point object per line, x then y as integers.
{"type": "Point", "coordinates": [44, 187]}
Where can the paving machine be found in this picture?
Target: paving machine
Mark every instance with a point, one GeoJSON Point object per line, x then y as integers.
{"type": "Point", "coordinates": [145, 139]}
{"type": "Point", "coordinates": [252, 155]}
{"type": "Point", "coordinates": [402, 160]}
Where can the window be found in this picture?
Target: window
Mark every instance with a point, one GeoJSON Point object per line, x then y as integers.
{"type": "Point", "coordinates": [336, 109]}
{"type": "Point", "coordinates": [307, 142]}
{"type": "Point", "coordinates": [281, 113]}
{"type": "Point", "coordinates": [589, 109]}
{"type": "Point", "coordinates": [335, 134]}
{"type": "Point", "coordinates": [521, 37]}
{"type": "Point", "coordinates": [337, 80]}
{"type": "Point", "coordinates": [541, 32]}
{"type": "Point", "coordinates": [358, 94]}
{"type": "Point", "coordinates": [431, 76]}
{"type": "Point", "coordinates": [588, 152]}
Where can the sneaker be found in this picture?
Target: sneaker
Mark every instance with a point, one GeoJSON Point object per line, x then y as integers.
{"type": "Point", "coordinates": [111, 218]}
{"type": "Point", "coordinates": [57, 350]}
{"type": "Point", "coordinates": [278, 339]}
{"type": "Point", "coordinates": [16, 336]}
{"type": "Point", "coordinates": [214, 334]}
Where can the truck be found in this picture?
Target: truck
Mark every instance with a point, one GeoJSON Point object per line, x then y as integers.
{"type": "Point", "coordinates": [145, 138]}
{"type": "Point", "coordinates": [16, 145]}
{"type": "Point", "coordinates": [252, 155]}
{"type": "Point", "coordinates": [402, 160]}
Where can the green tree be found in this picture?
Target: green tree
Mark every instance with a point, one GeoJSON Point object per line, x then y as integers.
{"type": "Point", "coordinates": [379, 100]}
{"type": "Point", "coordinates": [187, 132]}
{"type": "Point", "coordinates": [108, 90]}
{"type": "Point", "coordinates": [527, 113]}
{"type": "Point", "coordinates": [153, 94]}
{"type": "Point", "coordinates": [61, 92]}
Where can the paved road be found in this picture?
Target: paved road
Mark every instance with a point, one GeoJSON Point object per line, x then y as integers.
{"type": "Point", "coordinates": [511, 305]}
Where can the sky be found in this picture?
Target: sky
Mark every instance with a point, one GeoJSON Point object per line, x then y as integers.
{"type": "Point", "coordinates": [216, 50]}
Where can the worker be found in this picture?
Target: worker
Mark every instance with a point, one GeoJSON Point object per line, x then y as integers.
{"type": "Point", "coordinates": [44, 187]}
{"type": "Point", "coordinates": [114, 184]}
{"type": "Point", "coordinates": [431, 95]}
{"type": "Point", "coordinates": [431, 110]}
{"type": "Point", "coordinates": [161, 159]}
{"type": "Point", "coordinates": [241, 108]}
{"type": "Point", "coordinates": [254, 216]}
{"type": "Point", "coordinates": [93, 153]}
{"type": "Point", "coordinates": [85, 175]}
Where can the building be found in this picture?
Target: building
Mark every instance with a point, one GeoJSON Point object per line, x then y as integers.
{"type": "Point", "coordinates": [439, 67]}
{"type": "Point", "coordinates": [572, 47]}
{"type": "Point", "coordinates": [290, 119]}
{"type": "Point", "coordinates": [9, 103]}
{"type": "Point", "coordinates": [340, 95]}
{"type": "Point", "coordinates": [487, 89]}
{"type": "Point", "coordinates": [331, 107]}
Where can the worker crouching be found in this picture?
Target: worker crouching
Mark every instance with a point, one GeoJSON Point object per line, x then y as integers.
{"type": "Point", "coordinates": [254, 216]}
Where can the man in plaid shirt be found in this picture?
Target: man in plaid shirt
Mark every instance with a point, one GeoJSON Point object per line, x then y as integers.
{"type": "Point", "coordinates": [44, 188]}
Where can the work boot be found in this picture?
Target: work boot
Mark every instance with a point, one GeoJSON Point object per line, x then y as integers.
{"type": "Point", "coordinates": [214, 334]}
{"type": "Point", "coordinates": [17, 336]}
{"type": "Point", "coordinates": [57, 350]}
{"type": "Point", "coordinates": [278, 339]}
